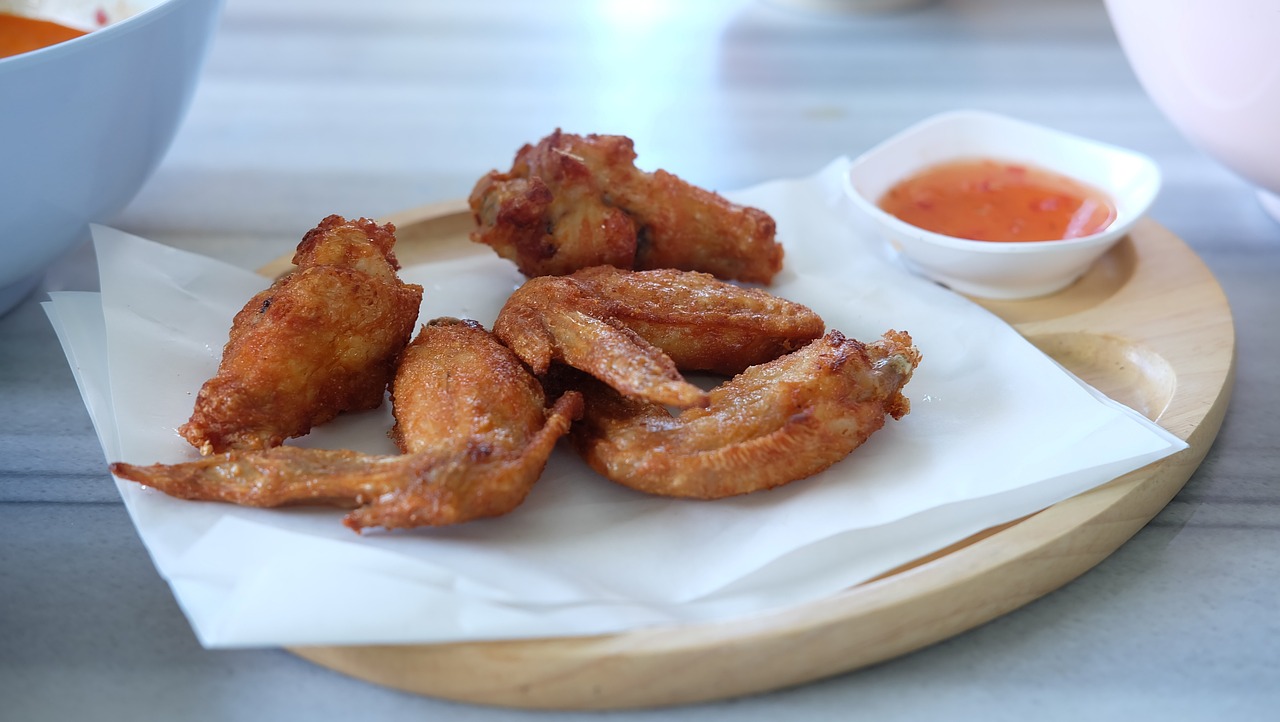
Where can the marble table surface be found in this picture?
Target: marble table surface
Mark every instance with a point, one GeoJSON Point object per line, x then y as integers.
{"type": "Point", "coordinates": [317, 107]}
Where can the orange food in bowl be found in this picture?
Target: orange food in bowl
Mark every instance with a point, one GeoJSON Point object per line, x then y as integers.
{"type": "Point", "coordinates": [990, 200]}
{"type": "Point", "coordinates": [22, 35]}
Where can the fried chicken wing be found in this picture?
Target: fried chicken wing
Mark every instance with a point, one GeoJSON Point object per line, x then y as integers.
{"type": "Point", "coordinates": [470, 416]}
{"type": "Point", "coordinates": [320, 341]}
{"type": "Point", "coordinates": [636, 330]}
{"type": "Point", "coordinates": [572, 202]}
{"type": "Point", "coordinates": [457, 387]}
{"type": "Point", "coordinates": [702, 323]}
{"type": "Point", "coordinates": [772, 424]}
{"type": "Point", "coordinates": [551, 219]}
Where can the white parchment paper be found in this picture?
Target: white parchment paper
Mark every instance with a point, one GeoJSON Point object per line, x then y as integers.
{"type": "Point", "coordinates": [997, 431]}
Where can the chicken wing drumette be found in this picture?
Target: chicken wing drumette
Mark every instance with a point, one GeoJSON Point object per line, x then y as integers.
{"type": "Point", "coordinates": [320, 341]}
{"type": "Point", "coordinates": [572, 201]}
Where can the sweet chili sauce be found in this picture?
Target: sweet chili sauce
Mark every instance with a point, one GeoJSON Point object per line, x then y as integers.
{"type": "Point", "coordinates": [22, 35]}
{"type": "Point", "coordinates": [991, 200]}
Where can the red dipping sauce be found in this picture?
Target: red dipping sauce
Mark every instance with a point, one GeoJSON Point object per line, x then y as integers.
{"type": "Point", "coordinates": [20, 34]}
{"type": "Point", "coordinates": [990, 200]}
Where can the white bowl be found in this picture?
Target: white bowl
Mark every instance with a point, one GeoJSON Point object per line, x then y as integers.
{"type": "Point", "coordinates": [1214, 70]}
{"type": "Point", "coordinates": [84, 124]}
{"type": "Point", "coordinates": [993, 269]}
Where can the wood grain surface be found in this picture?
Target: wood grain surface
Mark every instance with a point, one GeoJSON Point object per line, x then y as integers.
{"type": "Point", "coordinates": [1148, 325]}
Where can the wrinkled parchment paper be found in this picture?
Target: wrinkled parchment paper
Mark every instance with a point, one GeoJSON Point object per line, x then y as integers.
{"type": "Point", "coordinates": [997, 431]}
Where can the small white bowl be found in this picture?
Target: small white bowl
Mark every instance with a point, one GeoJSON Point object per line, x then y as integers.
{"type": "Point", "coordinates": [993, 269]}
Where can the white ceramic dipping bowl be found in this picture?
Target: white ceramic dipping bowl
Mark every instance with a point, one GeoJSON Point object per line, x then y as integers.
{"type": "Point", "coordinates": [84, 123]}
{"type": "Point", "coordinates": [994, 269]}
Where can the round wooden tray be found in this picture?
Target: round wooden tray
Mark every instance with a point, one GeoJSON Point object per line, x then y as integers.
{"type": "Point", "coordinates": [1148, 325]}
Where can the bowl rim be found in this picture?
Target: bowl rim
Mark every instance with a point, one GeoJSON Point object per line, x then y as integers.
{"type": "Point", "coordinates": [1124, 219]}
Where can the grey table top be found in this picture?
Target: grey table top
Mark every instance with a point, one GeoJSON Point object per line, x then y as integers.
{"type": "Point", "coordinates": [318, 107]}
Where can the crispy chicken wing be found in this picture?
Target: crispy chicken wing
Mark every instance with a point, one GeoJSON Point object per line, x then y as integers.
{"type": "Point", "coordinates": [457, 387]}
{"type": "Point", "coordinates": [774, 423]}
{"type": "Point", "coordinates": [470, 417]}
{"type": "Point", "coordinates": [572, 201]}
{"type": "Point", "coordinates": [702, 323]}
{"type": "Point", "coordinates": [635, 330]}
{"type": "Point", "coordinates": [551, 219]}
{"type": "Point", "coordinates": [319, 341]}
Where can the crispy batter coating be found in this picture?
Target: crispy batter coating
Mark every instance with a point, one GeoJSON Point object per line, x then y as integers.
{"type": "Point", "coordinates": [321, 340]}
{"type": "Point", "coordinates": [457, 387]}
{"type": "Point", "coordinates": [702, 323]}
{"type": "Point", "coordinates": [470, 415]}
{"type": "Point", "coordinates": [572, 202]}
{"type": "Point", "coordinates": [636, 330]}
{"type": "Point", "coordinates": [772, 424]}
{"type": "Point", "coordinates": [549, 217]}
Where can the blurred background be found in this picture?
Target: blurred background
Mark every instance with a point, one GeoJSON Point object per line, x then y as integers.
{"type": "Point", "coordinates": [400, 110]}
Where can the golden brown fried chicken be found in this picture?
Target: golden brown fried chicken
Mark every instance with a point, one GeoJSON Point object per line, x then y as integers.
{"type": "Point", "coordinates": [772, 424]}
{"type": "Point", "coordinates": [574, 201]}
{"type": "Point", "coordinates": [702, 323]}
{"type": "Point", "coordinates": [635, 330]}
{"type": "Point", "coordinates": [552, 219]}
{"type": "Point", "coordinates": [457, 387]}
{"type": "Point", "coordinates": [552, 318]}
{"type": "Point", "coordinates": [469, 414]}
{"type": "Point", "coordinates": [321, 340]}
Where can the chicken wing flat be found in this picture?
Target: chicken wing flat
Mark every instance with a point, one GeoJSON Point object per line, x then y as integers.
{"type": "Point", "coordinates": [702, 323]}
{"type": "Point", "coordinates": [775, 423]}
{"type": "Point", "coordinates": [428, 488]}
{"type": "Point", "coordinates": [470, 415]}
{"type": "Point", "coordinates": [320, 341]}
{"type": "Point", "coordinates": [458, 388]}
{"type": "Point", "coordinates": [573, 201]}
{"type": "Point", "coordinates": [636, 330]}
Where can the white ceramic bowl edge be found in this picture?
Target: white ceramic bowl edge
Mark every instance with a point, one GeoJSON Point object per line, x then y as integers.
{"type": "Point", "coordinates": [1001, 270]}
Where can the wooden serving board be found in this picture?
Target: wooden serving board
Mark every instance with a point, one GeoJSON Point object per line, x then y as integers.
{"type": "Point", "coordinates": [1148, 325]}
